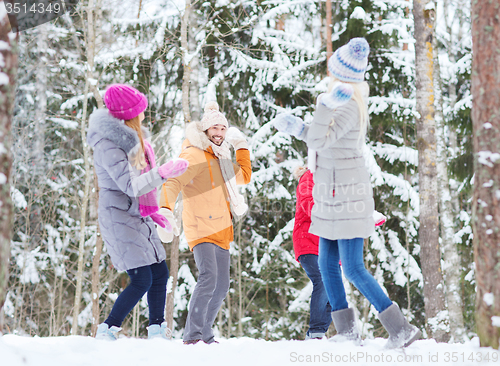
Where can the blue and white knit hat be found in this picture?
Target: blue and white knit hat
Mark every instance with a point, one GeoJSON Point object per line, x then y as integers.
{"type": "Point", "coordinates": [349, 62]}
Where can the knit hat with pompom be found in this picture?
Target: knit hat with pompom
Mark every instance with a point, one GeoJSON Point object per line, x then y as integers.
{"type": "Point", "coordinates": [350, 61]}
{"type": "Point", "coordinates": [213, 117]}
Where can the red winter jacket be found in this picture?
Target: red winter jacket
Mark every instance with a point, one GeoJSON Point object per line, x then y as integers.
{"type": "Point", "coordinates": [303, 242]}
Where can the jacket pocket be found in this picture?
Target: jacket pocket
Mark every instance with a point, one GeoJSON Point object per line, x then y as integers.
{"type": "Point", "coordinates": [210, 222]}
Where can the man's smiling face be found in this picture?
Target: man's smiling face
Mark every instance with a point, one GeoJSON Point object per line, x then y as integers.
{"type": "Point", "coordinates": [216, 134]}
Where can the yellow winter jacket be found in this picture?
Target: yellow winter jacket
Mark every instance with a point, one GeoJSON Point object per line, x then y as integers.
{"type": "Point", "coordinates": [206, 212]}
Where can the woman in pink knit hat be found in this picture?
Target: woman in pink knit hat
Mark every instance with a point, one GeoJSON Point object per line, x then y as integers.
{"type": "Point", "coordinates": [128, 176]}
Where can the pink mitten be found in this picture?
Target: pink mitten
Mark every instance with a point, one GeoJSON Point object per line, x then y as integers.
{"type": "Point", "coordinates": [173, 168]}
{"type": "Point", "coordinates": [161, 221]}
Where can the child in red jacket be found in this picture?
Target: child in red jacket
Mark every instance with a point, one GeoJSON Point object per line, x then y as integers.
{"type": "Point", "coordinates": [305, 246]}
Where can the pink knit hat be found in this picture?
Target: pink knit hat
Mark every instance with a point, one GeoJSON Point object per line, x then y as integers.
{"type": "Point", "coordinates": [213, 117]}
{"type": "Point", "coordinates": [124, 102]}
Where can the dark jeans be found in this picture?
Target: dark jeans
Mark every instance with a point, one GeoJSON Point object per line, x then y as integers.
{"type": "Point", "coordinates": [210, 291]}
{"type": "Point", "coordinates": [320, 309]}
{"type": "Point", "coordinates": [350, 252]}
{"type": "Point", "coordinates": [151, 279]}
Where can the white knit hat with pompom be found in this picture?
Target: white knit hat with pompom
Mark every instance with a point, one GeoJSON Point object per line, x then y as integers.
{"type": "Point", "coordinates": [349, 62]}
{"type": "Point", "coordinates": [213, 117]}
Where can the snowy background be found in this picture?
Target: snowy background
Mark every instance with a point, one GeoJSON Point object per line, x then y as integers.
{"type": "Point", "coordinates": [258, 58]}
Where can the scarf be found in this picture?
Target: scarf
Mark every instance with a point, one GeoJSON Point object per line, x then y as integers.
{"type": "Point", "coordinates": [148, 203]}
{"type": "Point", "coordinates": [237, 201]}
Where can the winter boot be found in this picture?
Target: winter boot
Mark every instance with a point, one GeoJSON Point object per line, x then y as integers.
{"type": "Point", "coordinates": [314, 335]}
{"type": "Point", "coordinates": [159, 331]}
{"type": "Point", "coordinates": [401, 333]}
{"type": "Point", "coordinates": [192, 341]}
{"type": "Point", "coordinates": [345, 324]}
{"type": "Point", "coordinates": [107, 333]}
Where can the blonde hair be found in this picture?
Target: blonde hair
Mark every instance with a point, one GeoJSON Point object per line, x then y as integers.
{"type": "Point", "coordinates": [299, 171]}
{"type": "Point", "coordinates": [138, 159]}
{"type": "Point", "coordinates": [361, 91]}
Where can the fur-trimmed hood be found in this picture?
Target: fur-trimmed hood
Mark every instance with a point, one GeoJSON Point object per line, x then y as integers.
{"type": "Point", "coordinates": [102, 125]}
{"type": "Point", "coordinates": [197, 137]}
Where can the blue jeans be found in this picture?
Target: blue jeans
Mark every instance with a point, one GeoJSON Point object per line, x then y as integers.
{"type": "Point", "coordinates": [151, 279]}
{"type": "Point", "coordinates": [350, 252]}
{"type": "Point", "coordinates": [320, 309]}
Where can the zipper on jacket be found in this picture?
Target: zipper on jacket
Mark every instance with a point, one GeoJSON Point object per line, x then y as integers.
{"type": "Point", "coordinates": [207, 158]}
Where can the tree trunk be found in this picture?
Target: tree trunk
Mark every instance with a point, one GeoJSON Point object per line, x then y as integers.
{"type": "Point", "coordinates": [174, 251]}
{"type": "Point", "coordinates": [329, 47]}
{"type": "Point", "coordinates": [451, 255]}
{"type": "Point", "coordinates": [486, 135]}
{"type": "Point", "coordinates": [430, 256]}
{"type": "Point", "coordinates": [240, 281]}
{"type": "Point", "coordinates": [96, 281]}
{"type": "Point", "coordinates": [186, 62]}
{"type": "Point", "coordinates": [194, 94]}
{"type": "Point", "coordinates": [8, 70]}
{"type": "Point", "coordinates": [41, 91]}
{"type": "Point", "coordinates": [452, 87]}
{"type": "Point", "coordinates": [174, 272]}
{"type": "Point", "coordinates": [96, 284]}
{"type": "Point", "coordinates": [96, 261]}
{"type": "Point", "coordinates": [83, 216]}
{"type": "Point", "coordinates": [86, 156]}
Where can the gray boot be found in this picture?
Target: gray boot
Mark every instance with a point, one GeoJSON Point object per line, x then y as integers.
{"type": "Point", "coordinates": [401, 333]}
{"type": "Point", "coordinates": [345, 324]}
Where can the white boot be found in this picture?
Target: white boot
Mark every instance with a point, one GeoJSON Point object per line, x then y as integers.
{"type": "Point", "coordinates": [159, 331]}
{"type": "Point", "coordinates": [106, 333]}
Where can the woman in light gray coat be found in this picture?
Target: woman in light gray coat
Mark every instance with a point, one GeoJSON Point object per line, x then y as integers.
{"type": "Point", "coordinates": [127, 177]}
{"type": "Point", "coordinates": [342, 215]}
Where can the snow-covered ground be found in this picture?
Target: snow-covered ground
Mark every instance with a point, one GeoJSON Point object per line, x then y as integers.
{"type": "Point", "coordinates": [78, 350]}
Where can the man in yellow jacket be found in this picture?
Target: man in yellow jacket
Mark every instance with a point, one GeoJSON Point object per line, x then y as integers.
{"type": "Point", "coordinates": [209, 195]}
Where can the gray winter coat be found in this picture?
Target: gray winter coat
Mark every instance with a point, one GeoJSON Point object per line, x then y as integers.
{"type": "Point", "coordinates": [131, 240]}
{"type": "Point", "coordinates": [340, 167]}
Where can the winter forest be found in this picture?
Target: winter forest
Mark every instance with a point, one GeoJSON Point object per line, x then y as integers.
{"type": "Point", "coordinates": [432, 156]}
